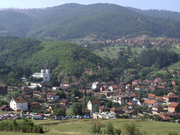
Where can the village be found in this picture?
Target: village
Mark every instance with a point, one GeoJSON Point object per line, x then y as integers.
{"type": "Point", "coordinates": [106, 100]}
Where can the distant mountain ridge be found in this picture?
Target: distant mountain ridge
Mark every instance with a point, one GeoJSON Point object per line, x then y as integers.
{"type": "Point", "coordinates": [158, 13]}
{"type": "Point", "coordinates": [71, 21]}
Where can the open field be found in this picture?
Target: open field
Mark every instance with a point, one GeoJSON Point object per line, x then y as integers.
{"type": "Point", "coordinates": [112, 52]}
{"type": "Point", "coordinates": [82, 127]}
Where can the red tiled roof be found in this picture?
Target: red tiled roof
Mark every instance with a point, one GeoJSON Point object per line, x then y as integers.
{"type": "Point", "coordinates": [173, 104]}
{"type": "Point", "coordinates": [149, 101]}
{"type": "Point", "coordinates": [3, 106]}
{"type": "Point", "coordinates": [51, 94]}
{"type": "Point", "coordinates": [63, 100]}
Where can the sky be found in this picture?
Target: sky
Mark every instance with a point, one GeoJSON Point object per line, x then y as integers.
{"type": "Point", "coordinates": [172, 5]}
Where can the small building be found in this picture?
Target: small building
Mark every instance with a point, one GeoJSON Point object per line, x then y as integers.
{"type": "Point", "coordinates": [18, 104]}
{"type": "Point", "coordinates": [92, 103]}
{"type": "Point", "coordinates": [65, 102]}
{"type": "Point", "coordinates": [104, 109]}
{"type": "Point", "coordinates": [52, 96]}
{"type": "Point", "coordinates": [150, 103]}
{"type": "Point", "coordinates": [174, 107]}
{"type": "Point", "coordinates": [35, 105]}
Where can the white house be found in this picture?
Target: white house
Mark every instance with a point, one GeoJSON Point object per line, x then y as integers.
{"type": "Point", "coordinates": [94, 85]}
{"type": "Point", "coordinates": [18, 104]}
{"type": "Point", "coordinates": [45, 74]}
{"type": "Point", "coordinates": [92, 103]}
{"type": "Point", "coordinates": [150, 103]}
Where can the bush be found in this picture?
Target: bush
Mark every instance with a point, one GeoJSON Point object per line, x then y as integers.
{"type": "Point", "coordinates": [173, 133]}
{"type": "Point", "coordinates": [95, 129]}
{"type": "Point", "coordinates": [25, 126]}
{"type": "Point", "coordinates": [110, 129]}
{"type": "Point", "coordinates": [132, 129]}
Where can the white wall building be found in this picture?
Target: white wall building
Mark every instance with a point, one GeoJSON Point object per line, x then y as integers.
{"type": "Point", "coordinates": [18, 103]}
{"type": "Point", "coordinates": [45, 74]}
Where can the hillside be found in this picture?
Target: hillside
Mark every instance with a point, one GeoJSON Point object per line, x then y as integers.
{"type": "Point", "coordinates": [62, 58]}
{"type": "Point", "coordinates": [70, 21]}
{"type": "Point", "coordinates": [158, 13]}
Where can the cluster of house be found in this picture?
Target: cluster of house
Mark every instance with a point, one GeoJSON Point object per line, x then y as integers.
{"type": "Point", "coordinates": [140, 41]}
{"type": "Point", "coordinates": [165, 106]}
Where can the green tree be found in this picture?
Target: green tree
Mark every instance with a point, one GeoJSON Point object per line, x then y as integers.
{"type": "Point", "coordinates": [96, 108]}
{"type": "Point", "coordinates": [76, 108]}
{"type": "Point", "coordinates": [58, 112]}
{"type": "Point", "coordinates": [110, 129]}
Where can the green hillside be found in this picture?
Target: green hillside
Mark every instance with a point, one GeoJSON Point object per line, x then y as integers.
{"type": "Point", "coordinates": [60, 57]}
{"type": "Point", "coordinates": [70, 21]}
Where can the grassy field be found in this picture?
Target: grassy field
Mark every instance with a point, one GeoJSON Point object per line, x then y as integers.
{"type": "Point", "coordinates": [82, 127]}
{"type": "Point", "coordinates": [112, 52]}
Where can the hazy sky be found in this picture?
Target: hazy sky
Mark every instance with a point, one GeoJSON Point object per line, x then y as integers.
{"type": "Point", "coordinates": [173, 5]}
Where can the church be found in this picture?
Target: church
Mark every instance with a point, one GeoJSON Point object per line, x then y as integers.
{"type": "Point", "coordinates": [45, 74]}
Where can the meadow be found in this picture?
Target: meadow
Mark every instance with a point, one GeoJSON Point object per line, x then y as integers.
{"type": "Point", "coordinates": [82, 127]}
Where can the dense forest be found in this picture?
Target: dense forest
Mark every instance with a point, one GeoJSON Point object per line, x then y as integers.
{"type": "Point", "coordinates": [62, 58]}
{"type": "Point", "coordinates": [160, 59]}
{"type": "Point", "coordinates": [158, 13]}
{"type": "Point", "coordinates": [71, 21]}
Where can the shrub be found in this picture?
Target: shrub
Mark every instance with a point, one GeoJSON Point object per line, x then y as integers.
{"type": "Point", "coordinates": [173, 133]}
{"type": "Point", "coordinates": [132, 129]}
{"type": "Point", "coordinates": [25, 126]}
{"type": "Point", "coordinates": [95, 129]}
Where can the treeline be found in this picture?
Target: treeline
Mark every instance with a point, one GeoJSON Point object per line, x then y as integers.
{"type": "Point", "coordinates": [158, 58]}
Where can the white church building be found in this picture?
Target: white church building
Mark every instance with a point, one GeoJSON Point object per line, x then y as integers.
{"type": "Point", "coordinates": [45, 74]}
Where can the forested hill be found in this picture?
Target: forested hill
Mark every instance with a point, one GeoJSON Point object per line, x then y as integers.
{"type": "Point", "coordinates": [70, 21]}
{"type": "Point", "coordinates": [158, 13]}
{"type": "Point", "coordinates": [62, 58]}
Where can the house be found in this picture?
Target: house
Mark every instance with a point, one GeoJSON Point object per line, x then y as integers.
{"type": "Point", "coordinates": [92, 103]}
{"type": "Point", "coordinates": [174, 82]}
{"type": "Point", "coordinates": [35, 105]}
{"type": "Point", "coordinates": [116, 110]}
{"type": "Point", "coordinates": [18, 104]}
{"type": "Point", "coordinates": [128, 86]}
{"type": "Point", "coordinates": [5, 108]}
{"type": "Point", "coordinates": [104, 109]}
{"type": "Point", "coordinates": [3, 89]}
{"type": "Point", "coordinates": [65, 102]}
{"type": "Point", "coordinates": [171, 97]}
{"type": "Point", "coordinates": [37, 93]}
{"type": "Point", "coordinates": [135, 82]}
{"type": "Point", "coordinates": [138, 88]}
{"type": "Point", "coordinates": [146, 82]}
{"type": "Point", "coordinates": [104, 115]}
{"type": "Point", "coordinates": [150, 103]}
{"type": "Point", "coordinates": [157, 108]}
{"type": "Point", "coordinates": [174, 107]}
{"type": "Point", "coordinates": [27, 91]}
{"type": "Point", "coordinates": [96, 85]}
{"type": "Point", "coordinates": [52, 96]}
{"type": "Point", "coordinates": [44, 74]}
{"type": "Point", "coordinates": [131, 105]}
{"type": "Point", "coordinates": [113, 87]}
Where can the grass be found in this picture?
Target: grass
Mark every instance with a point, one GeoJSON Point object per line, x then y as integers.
{"type": "Point", "coordinates": [82, 127]}
{"type": "Point", "coordinates": [112, 52]}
